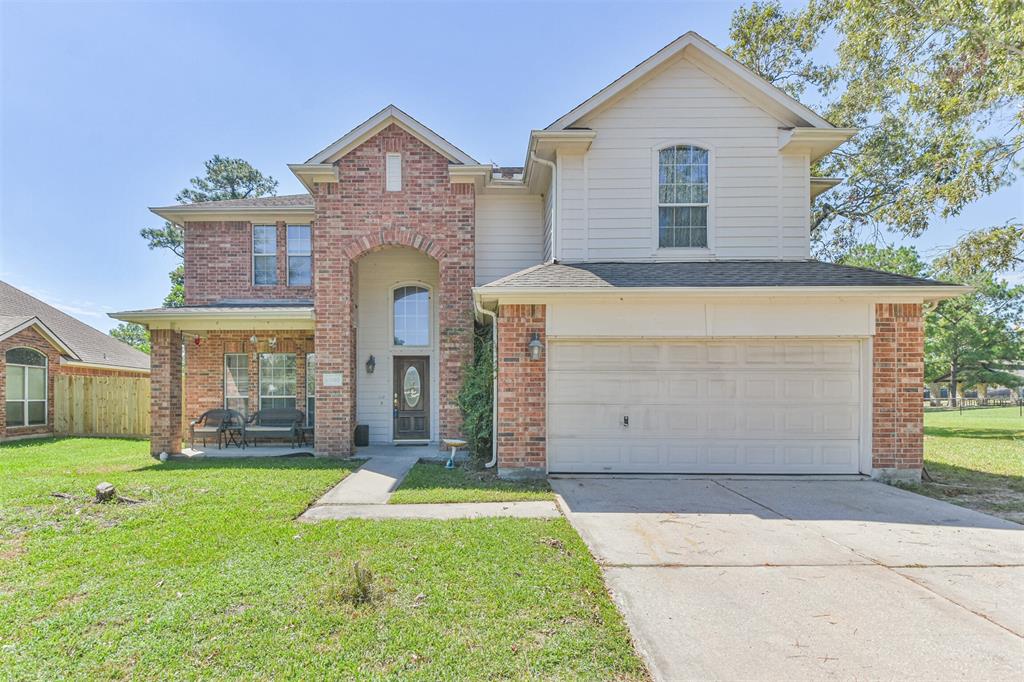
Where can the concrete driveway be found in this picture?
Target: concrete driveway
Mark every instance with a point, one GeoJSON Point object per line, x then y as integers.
{"type": "Point", "coordinates": [801, 579]}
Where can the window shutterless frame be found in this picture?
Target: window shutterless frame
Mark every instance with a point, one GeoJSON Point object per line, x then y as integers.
{"type": "Point", "coordinates": [683, 200]}
{"type": "Point", "coordinates": [27, 387]}
{"type": "Point", "coordinates": [264, 254]}
{"type": "Point", "coordinates": [300, 255]}
{"type": "Point", "coordinates": [277, 380]}
{"type": "Point", "coordinates": [236, 382]}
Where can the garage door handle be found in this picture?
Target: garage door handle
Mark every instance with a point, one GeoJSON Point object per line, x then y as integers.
{"type": "Point", "coordinates": [625, 421]}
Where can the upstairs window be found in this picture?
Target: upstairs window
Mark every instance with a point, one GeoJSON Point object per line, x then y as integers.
{"type": "Point", "coordinates": [264, 254]}
{"type": "Point", "coordinates": [300, 256]}
{"type": "Point", "coordinates": [682, 197]}
{"type": "Point", "coordinates": [26, 387]}
{"type": "Point", "coordinates": [393, 172]}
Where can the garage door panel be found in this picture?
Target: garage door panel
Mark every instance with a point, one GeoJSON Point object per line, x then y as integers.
{"type": "Point", "coordinates": [702, 456]}
{"type": "Point", "coordinates": [736, 406]}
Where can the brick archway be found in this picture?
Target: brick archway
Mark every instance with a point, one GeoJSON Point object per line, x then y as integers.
{"type": "Point", "coordinates": [360, 246]}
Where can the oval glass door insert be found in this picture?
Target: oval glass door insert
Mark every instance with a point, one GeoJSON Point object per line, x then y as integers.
{"type": "Point", "coordinates": [411, 387]}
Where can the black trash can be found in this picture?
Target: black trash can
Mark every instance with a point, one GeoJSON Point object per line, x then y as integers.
{"type": "Point", "coordinates": [362, 438]}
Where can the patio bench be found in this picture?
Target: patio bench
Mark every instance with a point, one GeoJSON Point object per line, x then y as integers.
{"type": "Point", "coordinates": [219, 423]}
{"type": "Point", "coordinates": [275, 423]}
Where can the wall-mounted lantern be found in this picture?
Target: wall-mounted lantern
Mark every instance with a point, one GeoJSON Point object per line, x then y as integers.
{"type": "Point", "coordinates": [253, 340]}
{"type": "Point", "coordinates": [371, 365]}
{"type": "Point", "coordinates": [272, 342]}
{"type": "Point", "coordinates": [535, 347]}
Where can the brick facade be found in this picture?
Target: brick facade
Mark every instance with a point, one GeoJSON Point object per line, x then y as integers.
{"type": "Point", "coordinates": [165, 391]}
{"type": "Point", "coordinates": [204, 366]}
{"type": "Point", "coordinates": [355, 216]}
{"type": "Point", "coordinates": [897, 383]}
{"type": "Point", "coordinates": [522, 391]}
{"type": "Point", "coordinates": [218, 264]}
{"type": "Point", "coordinates": [28, 338]}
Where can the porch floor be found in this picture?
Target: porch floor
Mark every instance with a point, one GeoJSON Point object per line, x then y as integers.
{"type": "Point", "coordinates": [429, 451]}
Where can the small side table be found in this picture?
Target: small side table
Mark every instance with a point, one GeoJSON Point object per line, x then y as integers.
{"type": "Point", "coordinates": [232, 435]}
{"type": "Point", "coordinates": [454, 444]}
{"type": "Point", "coordinates": [304, 432]}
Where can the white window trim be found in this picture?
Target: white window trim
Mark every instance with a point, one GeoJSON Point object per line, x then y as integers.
{"type": "Point", "coordinates": [259, 376]}
{"type": "Point", "coordinates": [247, 381]}
{"type": "Point", "coordinates": [263, 255]}
{"type": "Point", "coordinates": [387, 176]}
{"type": "Point", "coordinates": [683, 253]}
{"type": "Point", "coordinates": [305, 380]}
{"type": "Point", "coordinates": [25, 401]}
{"type": "Point", "coordinates": [288, 253]}
{"type": "Point", "coordinates": [411, 350]}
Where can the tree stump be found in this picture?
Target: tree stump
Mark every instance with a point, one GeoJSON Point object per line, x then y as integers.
{"type": "Point", "coordinates": [105, 492]}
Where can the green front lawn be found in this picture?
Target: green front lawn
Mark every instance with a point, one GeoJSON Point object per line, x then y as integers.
{"type": "Point", "coordinates": [977, 459]}
{"type": "Point", "coordinates": [428, 482]}
{"type": "Point", "coordinates": [210, 576]}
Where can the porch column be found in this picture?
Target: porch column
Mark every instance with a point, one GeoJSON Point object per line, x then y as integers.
{"type": "Point", "coordinates": [165, 392]}
{"type": "Point", "coordinates": [522, 392]}
{"type": "Point", "coordinates": [456, 343]}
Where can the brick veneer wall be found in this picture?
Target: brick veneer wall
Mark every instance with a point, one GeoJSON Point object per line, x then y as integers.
{"type": "Point", "coordinates": [355, 216]}
{"type": "Point", "coordinates": [165, 391]}
{"type": "Point", "coordinates": [204, 366]}
{"type": "Point", "coordinates": [218, 264]}
{"type": "Point", "coordinates": [897, 383]}
{"type": "Point", "coordinates": [522, 392]}
{"type": "Point", "coordinates": [28, 338]}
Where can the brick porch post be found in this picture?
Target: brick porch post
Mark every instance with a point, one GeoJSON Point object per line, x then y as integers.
{"type": "Point", "coordinates": [165, 392]}
{"type": "Point", "coordinates": [522, 393]}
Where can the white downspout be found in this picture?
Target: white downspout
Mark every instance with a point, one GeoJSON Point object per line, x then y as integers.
{"type": "Point", "coordinates": [554, 203]}
{"type": "Point", "coordinates": [494, 381]}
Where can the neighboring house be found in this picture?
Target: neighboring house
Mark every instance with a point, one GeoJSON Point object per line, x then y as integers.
{"type": "Point", "coordinates": [654, 251]}
{"type": "Point", "coordinates": [38, 342]}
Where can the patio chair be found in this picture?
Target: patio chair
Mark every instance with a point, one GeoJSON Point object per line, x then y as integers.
{"type": "Point", "coordinates": [278, 422]}
{"type": "Point", "coordinates": [215, 423]}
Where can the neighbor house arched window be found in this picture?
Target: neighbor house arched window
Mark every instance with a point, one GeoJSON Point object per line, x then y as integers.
{"type": "Point", "coordinates": [26, 387]}
{"type": "Point", "coordinates": [683, 197]}
{"type": "Point", "coordinates": [412, 315]}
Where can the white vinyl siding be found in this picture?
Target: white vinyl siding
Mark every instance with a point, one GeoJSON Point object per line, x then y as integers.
{"type": "Point", "coordinates": [729, 406]}
{"type": "Point", "coordinates": [393, 172]}
{"type": "Point", "coordinates": [760, 203]}
{"type": "Point", "coordinates": [509, 234]}
{"type": "Point", "coordinates": [549, 208]}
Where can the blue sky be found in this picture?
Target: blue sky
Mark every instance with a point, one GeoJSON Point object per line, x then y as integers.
{"type": "Point", "coordinates": [106, 109]}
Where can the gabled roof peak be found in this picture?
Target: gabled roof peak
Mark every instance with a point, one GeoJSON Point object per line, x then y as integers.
{"type": "Point", "coordinates": [709, 57]}
{"type": "Point", "coordinates": [382, 119]}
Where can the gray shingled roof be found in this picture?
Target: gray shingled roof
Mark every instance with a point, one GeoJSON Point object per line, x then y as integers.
{"type": "Point", "coordinates": [89, 344]}
{"type": "Point", "coordinates": [239, 306]}
{"type": "Point", "coordinates": [746, 273]}
{"type": "Point", "coordinates": [282, 201]}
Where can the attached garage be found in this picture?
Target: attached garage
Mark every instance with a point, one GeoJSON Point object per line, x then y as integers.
{"type": "Point", "coordinates": [730, 406]}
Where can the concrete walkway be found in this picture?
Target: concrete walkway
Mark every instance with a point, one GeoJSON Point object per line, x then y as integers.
{"type": "Point", "coordinates": [365, 494]}
{"type": "Point", "coordinates": [373, 482]}
{"type": "Point", "coordinates": [443, 512]}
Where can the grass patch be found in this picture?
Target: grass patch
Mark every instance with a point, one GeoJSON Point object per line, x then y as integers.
{"type": "Point", "coordinates": [432, 483]}
{"type": "Point", "coordinates": [210, 576]}
{"type": "Point", "coordinates": [976, 459]}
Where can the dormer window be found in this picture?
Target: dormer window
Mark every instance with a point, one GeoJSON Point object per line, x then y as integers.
{"type": "Point", "coordinates": [393, 172]}
{"type": "Point", "coordinates": [682, 197]}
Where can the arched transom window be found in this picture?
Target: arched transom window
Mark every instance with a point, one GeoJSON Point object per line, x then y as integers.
{"type": "Point", "coordinates": [682, 197]}
{"type": "Point", "coordinates": [26, 387]}
{"type": "Point", "coordinates": [412, 316]}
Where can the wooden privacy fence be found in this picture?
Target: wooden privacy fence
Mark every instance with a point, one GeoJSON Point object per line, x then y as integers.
{"type": "Point", "coordinates": [100, 406]}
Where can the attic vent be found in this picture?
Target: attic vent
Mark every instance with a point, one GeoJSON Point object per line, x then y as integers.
{"type": "Point", "coordinates": [393, 172]}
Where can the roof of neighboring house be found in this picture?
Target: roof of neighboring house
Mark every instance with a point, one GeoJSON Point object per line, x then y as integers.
{"type": "Point", "coordinates": [282, 201]}
{"type": "Point", "coordinates": [87, 344]}
{"type": "Point", "coordinates": [703, 274]}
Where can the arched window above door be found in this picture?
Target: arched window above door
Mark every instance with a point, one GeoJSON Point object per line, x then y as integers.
{"type": "Point", "coordinates": [411, 315]}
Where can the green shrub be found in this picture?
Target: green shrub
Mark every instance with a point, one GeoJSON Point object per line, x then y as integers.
{"type": "Point", "coordinates": [475, 396]}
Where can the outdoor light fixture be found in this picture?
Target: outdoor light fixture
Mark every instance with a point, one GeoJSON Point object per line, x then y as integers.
{"type": "Point", "coordinates": [535, 347]}
{"type": "Point", "coordinates": [272, 342]}
{"type": "Point", "coordinates": [371, 365]}
{"type": "Point", "coordinates": [253, 340]}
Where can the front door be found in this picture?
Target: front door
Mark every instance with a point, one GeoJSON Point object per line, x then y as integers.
{"type": "Point", "coordinates": [411, 398]}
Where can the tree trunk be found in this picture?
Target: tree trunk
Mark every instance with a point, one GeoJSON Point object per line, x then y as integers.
{"type": "Point", "coordinates": [952, 384]}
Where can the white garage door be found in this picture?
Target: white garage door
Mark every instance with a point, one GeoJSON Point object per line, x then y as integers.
{"type": "Point", "coordinates": [762, 406]}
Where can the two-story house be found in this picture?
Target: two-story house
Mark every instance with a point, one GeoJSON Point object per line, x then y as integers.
{"type": "Point", "coordinates": [647, 276]}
